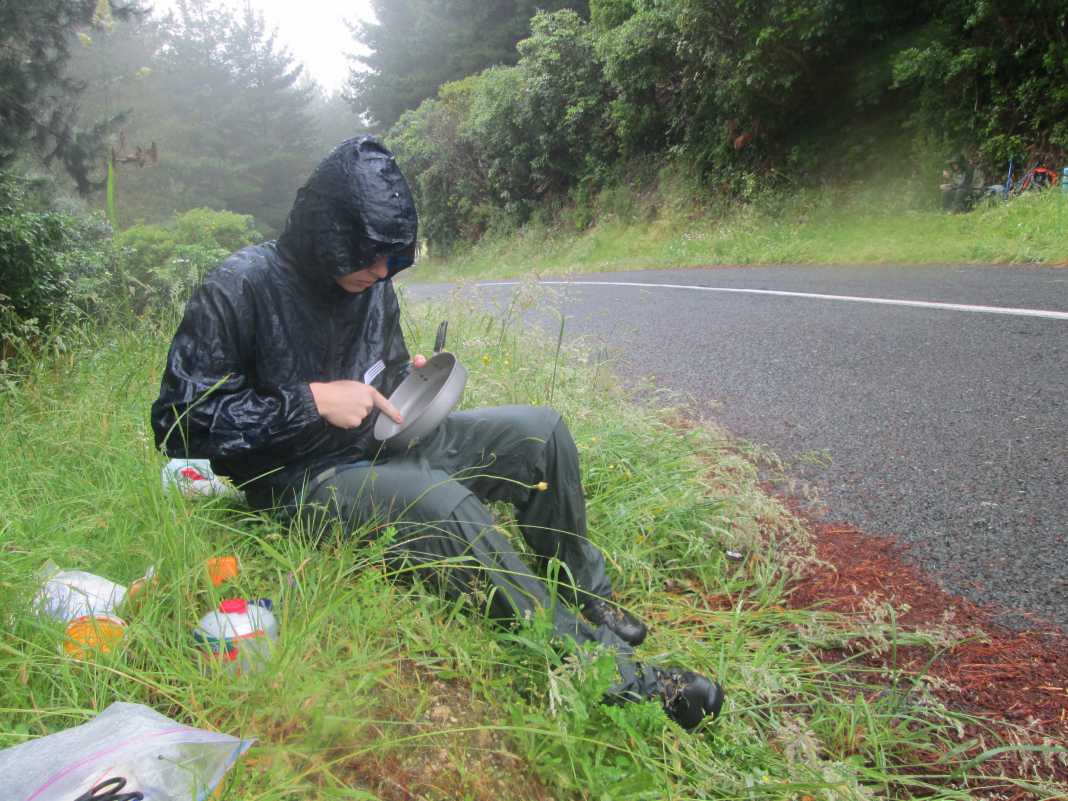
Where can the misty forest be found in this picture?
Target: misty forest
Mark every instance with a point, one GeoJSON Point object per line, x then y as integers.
{"type": "Point", "coordinates": [138, 146]}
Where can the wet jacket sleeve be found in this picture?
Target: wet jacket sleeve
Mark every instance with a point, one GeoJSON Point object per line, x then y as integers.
{"type": "Point", "coordinates": [210, 405]}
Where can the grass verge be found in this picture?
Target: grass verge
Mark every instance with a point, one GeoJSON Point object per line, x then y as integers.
{"type": "Point", "coordinates": [381, 690]}
{"type": "Point", "coordinates": [670, 226]}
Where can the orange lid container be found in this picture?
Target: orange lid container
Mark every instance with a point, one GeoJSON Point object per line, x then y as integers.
{"type": "Point", "coordinates": [221, 568]}
{"type": "Point", "coordinates": [93, 633]}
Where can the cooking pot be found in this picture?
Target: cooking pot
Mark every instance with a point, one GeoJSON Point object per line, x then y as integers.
{"type": "Point", "coordinates": [424, 398]}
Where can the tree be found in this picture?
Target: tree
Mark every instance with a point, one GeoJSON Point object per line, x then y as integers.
{"type": "Point", "coordinates": [490, 148]}
{"type": "Point", "coordinates": [335, 121]}
{"type": "Point", "coordinates": [227, 106]}
{"type": "Point", "coordinates": [636, 45]}
{"type": "Point", "coordinates": [734, 90]}
{"type": "Point", "coordinates": [417, 45]}
{"type": "Point", "coordinates": [566, 102]}
{"type": "Point", "coordinates": [731, 81]}
{"type": "Point", "coordinates": [992, 75]}
{"type": "Point", "coordinates": [38, 100]}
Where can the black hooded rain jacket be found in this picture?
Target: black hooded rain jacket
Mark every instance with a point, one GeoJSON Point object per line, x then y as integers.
{"type": "Point", "coordinates": [271, 319]}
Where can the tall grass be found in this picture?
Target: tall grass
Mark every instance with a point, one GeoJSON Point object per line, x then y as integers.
{"type": "Point", "coordinates": [380, 689]}
{"type": "Point", "coordinates": [894, 221]}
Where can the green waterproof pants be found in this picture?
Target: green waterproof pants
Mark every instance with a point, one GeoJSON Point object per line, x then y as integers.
{"type": "Point", "coordinates": [434, 497]}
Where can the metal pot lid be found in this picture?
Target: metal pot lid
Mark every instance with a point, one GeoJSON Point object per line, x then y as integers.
{"type": "Point", "coordinates": [425, 397]}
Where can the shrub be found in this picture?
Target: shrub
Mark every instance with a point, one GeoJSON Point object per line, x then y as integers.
{"type": "Point", "coordinates": [47, 258]}
{"type": "Point", "coordinates": [31, 243]}
{"type": "Point", "coordinates": [160, 264]}
{"type": "Point", "coordinates": [490, 149]}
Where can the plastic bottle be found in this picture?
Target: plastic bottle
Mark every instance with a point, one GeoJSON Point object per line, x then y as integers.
{"type": "Point", "coordinates": [1064, 182]}
{"type": "Point", "coordinates": [240, 633]}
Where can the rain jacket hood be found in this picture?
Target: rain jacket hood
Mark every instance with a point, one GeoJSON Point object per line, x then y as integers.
{"type": "Point", "coordinates": [270, 320]}
{"type": "Point", "coordinates": [354, 208]}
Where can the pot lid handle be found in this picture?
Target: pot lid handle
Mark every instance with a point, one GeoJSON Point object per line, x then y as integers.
{"type": "Point", "coordinates": [439, 340]}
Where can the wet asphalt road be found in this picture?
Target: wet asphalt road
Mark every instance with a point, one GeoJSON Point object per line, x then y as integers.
{"type": "Point", "coordinates": [947, 428]}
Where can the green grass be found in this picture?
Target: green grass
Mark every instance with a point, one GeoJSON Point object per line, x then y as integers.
{"type": "Point", "coordinates": [887, 222]}
{"type": "Point", "coordinates": [380, 689]}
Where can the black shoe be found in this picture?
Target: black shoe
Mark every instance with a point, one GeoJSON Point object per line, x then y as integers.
{"type": "Point", "coordinates": [604, 613]}
{"type": "Point", "coordinates": [688, 697]}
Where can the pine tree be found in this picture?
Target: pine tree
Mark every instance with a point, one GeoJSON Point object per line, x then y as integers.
{"type": "Point", "coordinates": [251, 108]}
{"type": "Point", "coordinates": [417, 45]}
{"type": "Point", "coordinates": [38, 101]}
{"type": "Point", "coordinates": [226, 104]}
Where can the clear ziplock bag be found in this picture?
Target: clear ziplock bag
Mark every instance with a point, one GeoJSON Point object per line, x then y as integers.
{"type": "Point", "coordinates": [156, 755]}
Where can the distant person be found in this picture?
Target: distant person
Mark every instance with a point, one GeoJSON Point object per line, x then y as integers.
{"type": "Point", "coordinates": [285, 356]}
{"type": "Point", "coordinates": [959, 189]}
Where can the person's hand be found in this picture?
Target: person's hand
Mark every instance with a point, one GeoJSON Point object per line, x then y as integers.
{"type": "Point", "coordinates": [346, 404]}
{"type": "Point", "coordinates": [418, 361]}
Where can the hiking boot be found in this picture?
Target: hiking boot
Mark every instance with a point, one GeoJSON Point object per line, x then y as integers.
{"type": "Point", "coordinates": [688, 697]}
{"type": "Point", "coordinates": [604, 613]}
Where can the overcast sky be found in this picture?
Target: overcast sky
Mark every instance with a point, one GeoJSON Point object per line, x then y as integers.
{"type": "Point", "coordinates": [314, 31]}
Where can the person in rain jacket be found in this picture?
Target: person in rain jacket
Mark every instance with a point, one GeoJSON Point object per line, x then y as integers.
{"type": "Point", "coordinates": [289, 350]}
{"type": "Point", "coordinates": [962, 185]}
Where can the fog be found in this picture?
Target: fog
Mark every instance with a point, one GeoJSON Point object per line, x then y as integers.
{"type": "Point", "coordinates": [315, 31]}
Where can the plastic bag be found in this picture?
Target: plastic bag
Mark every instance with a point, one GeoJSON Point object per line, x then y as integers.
{"type": "Point", "coordinates": [70, 594]}
{"type": "Point", "coordinates": [156, 755]}
{"type": "Point", "coordinates": [194, 478]}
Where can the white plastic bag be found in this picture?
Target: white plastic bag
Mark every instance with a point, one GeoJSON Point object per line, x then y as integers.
{"type": "Point", "coordinates": [156, 755]}
{"type": "Point", "coordinates": [67, 595]}
{"type": "Point", "coordinates": [194, 478]}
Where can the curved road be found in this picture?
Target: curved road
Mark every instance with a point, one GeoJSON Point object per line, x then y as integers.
{"type": "Point", "coordinates": [945, 426]}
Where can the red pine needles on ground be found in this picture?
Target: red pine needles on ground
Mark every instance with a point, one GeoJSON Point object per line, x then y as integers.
{"type": "Point", "coordinates": [1006, 676]}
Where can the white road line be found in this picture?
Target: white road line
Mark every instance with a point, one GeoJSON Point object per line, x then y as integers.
{"type": "Point", "coordinates": [919, 304]}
